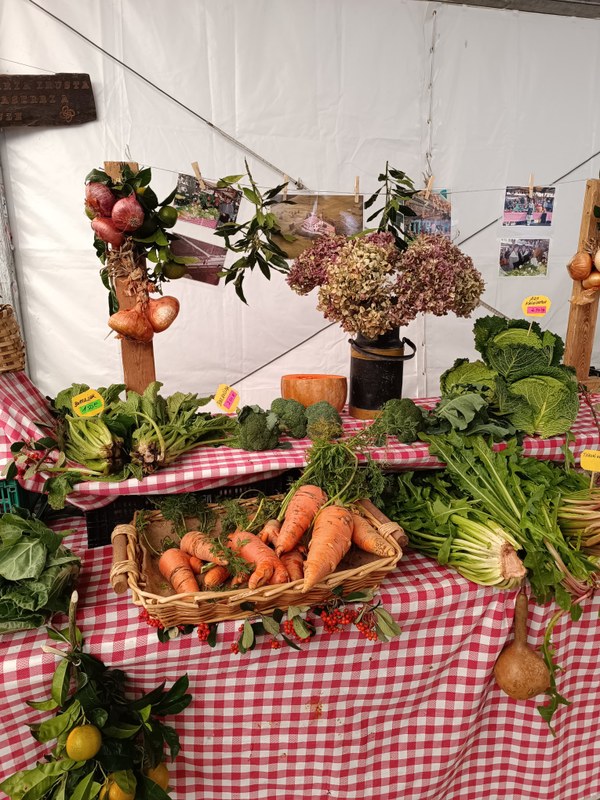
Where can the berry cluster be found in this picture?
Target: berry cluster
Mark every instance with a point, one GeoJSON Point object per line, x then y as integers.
{"type": "Point", "coordinates": [287, 627]}
{"type": "Point", "coordinates": [336, 618]}
{"type": "Point", "coordinates": [235, 648]}
{"type": "Point", "coordinates": [203, 631]}
{"type": "Point", "coordinates": [154, 623]}
{"type": "Point", "coordinates": [367, 627]}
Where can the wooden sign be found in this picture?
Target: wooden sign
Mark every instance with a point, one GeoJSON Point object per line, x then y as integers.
{"type": "Point", "coordinates": [65, 98]}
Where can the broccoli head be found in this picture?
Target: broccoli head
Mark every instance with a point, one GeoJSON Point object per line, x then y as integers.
{"type": "Point", "coordinates": [400, 417]}
{"type": "Point", "coordinates": [292, 419]}
{"type": "Point", "coordinates": [323, 421]}
{"type": "Point", "coordinates": [257, 429]}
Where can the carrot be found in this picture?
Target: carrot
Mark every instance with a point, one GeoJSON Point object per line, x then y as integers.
{"type": "Point", "coordinates": [215, 577]}
{"type": "Point", "coordinates": [196, 565]}
{"type": "Point", "coordinates": [365, 536]}
{"type": "Point", "coordinates": [331, 539]}
{"type": "Point", "coordinates": [175, 567]}
{"type": "Point", "coordinates": [294, 563]}
{"type": "Point", "coordinates": [270, 532]}
{"type": "Point", "coordinates": [300, 513]}
{"type": "Point", "coordinates": [195, 543]}
{"type": "Point", "coordinates": [267, 565]}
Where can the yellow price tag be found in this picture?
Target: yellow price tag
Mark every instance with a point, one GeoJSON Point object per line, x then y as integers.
{"type": "Point", "coordinates": [227, 398]}
{"type": "Point", "coordinates": [590, 460]}
{"type": "Point", "coordinates": [88, 403]}
{"type": "Point", "coordinates": [536, 305]}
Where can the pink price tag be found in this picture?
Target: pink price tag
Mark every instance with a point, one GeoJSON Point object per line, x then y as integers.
{"type": "Point", "coordinates": [229, 400]}
{"type": "Point", "coordinates": [541, 310]}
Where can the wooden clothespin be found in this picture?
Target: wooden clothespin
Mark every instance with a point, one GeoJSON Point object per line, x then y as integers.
{"type": "Point", "coordinates": [198, 175]}
{"type": "Point", "coordinates": [286, 180]}
{"type": "Point", "coordinates": [429, 187]}
{"type": "Point", "coordinates": [531, 184]}
{"type": "Point", "coordinates": [356, 190]}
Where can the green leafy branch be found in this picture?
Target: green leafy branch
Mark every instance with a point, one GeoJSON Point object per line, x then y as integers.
{"type": "Point", "coordinates": [131, 734]}
{"type": "Point", "coordinates": [253, 239]}
{"type": "Point", "coordinates": [395, 189]}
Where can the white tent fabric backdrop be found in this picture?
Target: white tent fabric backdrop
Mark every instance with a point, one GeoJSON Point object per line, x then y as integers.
{"type": "Point", "coordinates": [324, 90]}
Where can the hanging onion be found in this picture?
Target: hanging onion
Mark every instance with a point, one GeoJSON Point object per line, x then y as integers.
{"type": "Point", "coordinates": [127, 214]}
{"type": "Point", "coordinates": [161, 312]}
{"type": "Point", "coordinates": [99, 198]}
{"type": "Point", "coordinates": [105, 230]}
{"type": "Point", "coordinates": [132, 323]}
{"type": "Point", "coordinates": [580, 266]}
{"type": "Point", "coordinates": [592, 281]}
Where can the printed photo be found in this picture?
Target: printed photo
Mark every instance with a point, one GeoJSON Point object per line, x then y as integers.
{"type": "Point", "coordinates": [210, 258]}
{"type": "Point", "coordinates": [524, 258]}
{"type": "Point", "coordinates": [310, 216]}
{"type": "Point", "coordinates": [521, 208]}
{"type": "Point", "coordinates": [208, 206]}
{"type": "Point", "coordinates": [432, 214]}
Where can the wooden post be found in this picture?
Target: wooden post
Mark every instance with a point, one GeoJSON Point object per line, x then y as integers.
{"type": "Point", "coordinates": [582, 318]}
{"type": "Point", "coordinates": [137, 357]}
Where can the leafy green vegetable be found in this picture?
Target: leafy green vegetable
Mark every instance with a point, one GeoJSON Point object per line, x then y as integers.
{"type": "Point", "coordinates": [292, 417]}
{"type": "Point", "coordinates": [256, 429]}
{"type": "Point", "coordinates": [551, 405]}
{"type": "Point", "coordinates": [401, 418]}
{"type": "Point", "coordinates": [323, 421]}
{"type": "Point", "coordinates": [465, 376]}
{"type": "Point", "coordinates": [36, 572]}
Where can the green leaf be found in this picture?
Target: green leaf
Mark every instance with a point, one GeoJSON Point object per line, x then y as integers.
{"type": "Point", "coordinates": [290, 643]}
{"type": "Point", "coordinates": [126, 780]}
{"type": "Point", "coordinates": [121, 731]}
{"type": "Point", "coordinates": [301, 628]}
{"type": "Point", "coordinates": [295, 611]}
{"type": "Point", "coordinates": [43, 705]}
{"type": "Point", "coordinates": [247, 639]}
{"type": "Point", "coordinates": [60, 682]}
{"type": "Point", "coordinates": [270, 625]}
{"type": "Point", "coordinates": [25, 559]}
{"type": "Point", "coordinates": [387, 624]}
{"type": "Point", "coordinates": [144, 176]}
{"type": "Point", "coordinates": [99, 717]}
{"type": "Point", "coordinates": [152, 791]}
{"type": "Point", "coordinates": [169, 198]}
{"type": "Point", "coordinates": [32, 784]}
{"type": "Point", "coordinates": [52, 728]}
{"type": "Point", "coordinates": [86, 789]}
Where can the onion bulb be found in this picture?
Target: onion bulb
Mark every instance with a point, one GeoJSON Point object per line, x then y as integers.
{"type": "Point", "coordinates": [597, 259]}
{"type": "Point", "coordinates": [99, 198]}
{"type": "Point", "coordinates": [127, 214]}
{"type": "Point", "coordinates": [161, 312]}
{"type": "Point", "coordinates": [132, 323]}
{"type": "Point", "coordinates": [580, 266]}
{"type": "Point", "coordinates": [105, 230]}
{"type": "Point", "coordinates": [592, 281]}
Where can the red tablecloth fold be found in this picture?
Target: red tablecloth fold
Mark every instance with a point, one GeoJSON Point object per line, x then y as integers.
{"type": "Point", "coordinates": [419, 718]}
{"type": "Point", "coordinates": [211, 467]}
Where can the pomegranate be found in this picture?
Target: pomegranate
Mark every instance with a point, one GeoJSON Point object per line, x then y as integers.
{"type": "Point", "coordinates": [99, 198]}
{"type": "Point", "coordinates": [127, 214]}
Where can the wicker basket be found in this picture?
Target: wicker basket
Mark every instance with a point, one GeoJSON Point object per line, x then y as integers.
{"type": "Point", "coordinates": [12, 348]}
{"type": "Point", "coordinates": [358, 570]}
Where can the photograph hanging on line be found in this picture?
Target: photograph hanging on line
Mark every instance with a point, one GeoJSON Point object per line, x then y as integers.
{"type": "Point", "coordinates": [432, 214]}
{"type": "Point", "coordinates": [206, 206]}
{"type": "Point", "coordinates": [310, 216]}
{"type": "Point", "coordinates": [210, 258]}
{"type": "Point", "coordinates": [523, 208]}
{"type": "Point", "coordinates": [524, 258]}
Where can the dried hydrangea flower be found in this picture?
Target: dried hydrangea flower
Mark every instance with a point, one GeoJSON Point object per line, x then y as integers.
{"type": "Point", "coordinates": [309, 270]}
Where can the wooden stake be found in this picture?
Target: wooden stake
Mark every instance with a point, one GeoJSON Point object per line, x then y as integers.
{"type": "Point", "coordinates": [531, 184]}
{"type": "Point", "coordinates": [198, 175]}
{"type": "Point", "coordinates": [137, 357]}
{"type": "Point", "coordinates": [356, 189]}
{"type": "Point", "coordinates": [286, 180]}
{"type": "Point", "coordinates": [582, 318]}
{"type": "Point", "coordinates": [429, 187]}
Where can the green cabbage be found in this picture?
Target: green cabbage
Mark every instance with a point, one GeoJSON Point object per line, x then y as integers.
{"type": "Point", "coordinates": [543, 405]}
{"type": "Point", "coordinates": [465, 375]}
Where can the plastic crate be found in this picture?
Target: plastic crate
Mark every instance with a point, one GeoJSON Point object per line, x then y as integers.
{"type": "Point", "coordinates": [12, 494]}
{"type": "Point", "coordinates": [101, 521]}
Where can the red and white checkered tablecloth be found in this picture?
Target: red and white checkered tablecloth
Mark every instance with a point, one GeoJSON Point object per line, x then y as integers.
{"type": "Point", "coordinates": [418, 718]}
{"type": "Point", "coordinates": [210, 467]}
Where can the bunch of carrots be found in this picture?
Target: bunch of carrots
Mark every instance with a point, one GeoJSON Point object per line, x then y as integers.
{"type": "Point", "coordinates": [277, 553]}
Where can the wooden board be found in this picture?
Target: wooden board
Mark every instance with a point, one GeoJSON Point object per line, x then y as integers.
{"type": "Point", "coordinates": [137, 357]}
{"type": "Point", "coordinates": [582, 318]}
{"type": "Point", "coordinates": [65, 98]}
